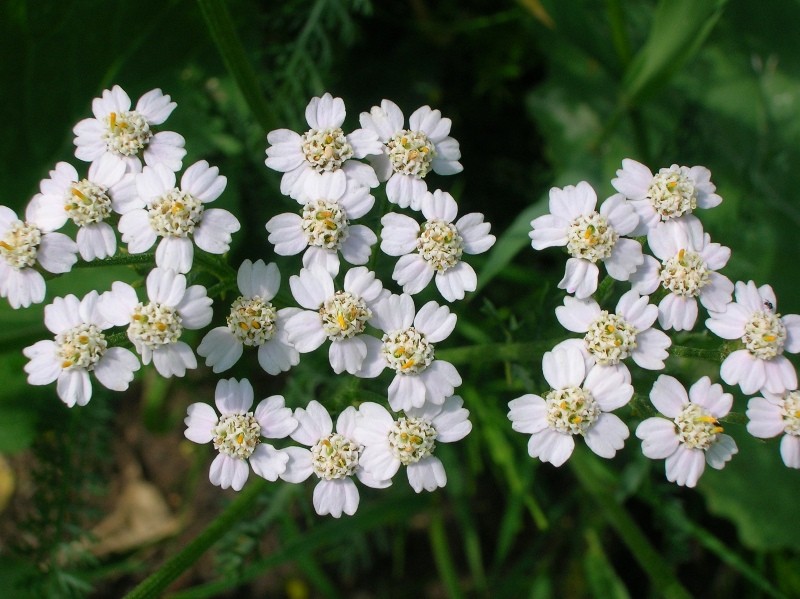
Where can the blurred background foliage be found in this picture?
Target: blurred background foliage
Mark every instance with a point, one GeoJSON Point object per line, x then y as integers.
{"type": "Point", "coordinates": [541, 93]}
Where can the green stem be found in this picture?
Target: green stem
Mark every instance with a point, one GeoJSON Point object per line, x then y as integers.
{"type": "Point", "coordinates": [619, 36]}
{"type": "Point", "coordinates": [121, 260]}
{"type": "Point", "coordinates": [442, 555]}
{"type": "Point", "coordinates": [220, 26]}
{"type": "Point", "coordinates": [604, 290]}
{"type": "Point", "coordinates": [215, 265]}
{"type": "Point", "coordinates": [589, 473]}
{"type": "Point", "coordinates": [712, 355]}
{"type": "Point", "coordinates": [155, 584]}
{"type": "Point", "coordinates": [497, 352]}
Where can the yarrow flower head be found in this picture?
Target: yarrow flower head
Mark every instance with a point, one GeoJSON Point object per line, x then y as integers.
{"type": "Point", "coordinates": [79, 347]}
{"type": "Point", "coordinates": [407, 347]}
{"type": "Point", "coordinates": [334, 457]}
{"type": "Point", "coordinates": [173, 213]}
{"type": "Point", "coordinates": [155, 326]}
{"type": "Point", "coordinates": [436, 247]}
{"type": "Point", "coordinates": [339, 316]}
{"type": "Point", "coordinates": [579, 402]}
{"type": "Point", "coordinates": [775, 414]}
{"type": "Point", "coordinates": [410, 154]}
{"type": "Point", "coordinates": [611, 338]}
{"type": "Point", "coordinates": [324, 228]}
{"type": "Point", "coordinates": [765, 334]}
{"type": "Point", "coordinates": [88, 202]}
{"type": "Point", "coordinates": [687, 270]}
{"type": "Point", "coordinates": [671, 193]}
{"type": "Point", "coordinates": [237, 433]}
{"type": "Point", "coordinates": [253, 322]}
{"type": "Point", "coordinates": [128, 136]}
{"type": "Point", "coordinates": [322, 150]}
{"type": "Point", "coordinates": [23, 245]}
{"type": "Point", "coordinates": [410, 440]}
{"type": "Point", "coordinates": [691, 435]}
{"type": "Point", "coordinates": [589, 236]}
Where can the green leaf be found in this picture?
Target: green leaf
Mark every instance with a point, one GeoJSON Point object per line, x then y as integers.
{"type": "Point", "coordinates": [511, 242]}
{"type": "Point", "coordinates": [737, 492]}
{"type": "Point", "coordinates": [678, 30]}
{"type": "Point", "coordinates": [603, 580]}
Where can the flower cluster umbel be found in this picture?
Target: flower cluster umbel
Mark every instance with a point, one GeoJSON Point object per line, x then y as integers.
{"type": "Point", "coordinates": [131, 200]}
{"type": "Point", "coordinates": [588, 376]}
{"type": "Point", "coordinates": [132, 189]}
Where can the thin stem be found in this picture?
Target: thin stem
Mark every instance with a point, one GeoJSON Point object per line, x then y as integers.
{"type": "Point", "coordinates": [712, 355]}
{"type": "Point", "coordinates": [442, 555]}
{"type": "Point", "coordinates": [586, 469]}
{"type": "Point", "coordinates": [619, 36]}
{"type": "Point", "coordinates": [220, 26]}
{"type": "Point", "coordinates": [217, 267]}
{"type": "Point", "coordinates": [497, 352]}
{"type": "Point", "coordinates": [121, 260]}
{"type": "Point", "coordinates": [155, 584]}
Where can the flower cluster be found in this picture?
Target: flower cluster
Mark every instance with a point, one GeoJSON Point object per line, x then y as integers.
{"type": "Point", "coordinates": [588, 376]}
{"type": "Point", "coordinates": [132, 187]}
{"type": "Point", "coordinates": [368, 328]}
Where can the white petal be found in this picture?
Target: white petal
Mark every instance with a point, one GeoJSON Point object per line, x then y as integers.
{"type": "Point", "coordinates": [721, 451]}
{"type": "Point", "coordinates": [551, 446]}
{"type": "Point", "coordinates": [580, 278]}
{"type": "Point", "coordinates": [435, 322]}
{"type": "Point", "coordinates": [426, 474]}
{"type": "Point", "coordinates": [115, 369]}
{"type": "Point", "coordinates": [175, 253]}
{"type": "Point", "coordinates": [200, 422]}
{"type": "Point", "coordinates": [74, 387]}
{"type": "Point", "coordinates": [233, 397]}
{"type": "Point", "coordinates": [173, 359]}
{"type": "Point", "coordinates": [298, 466]}
{"type": "Point", "coordinates": [659, 439]}
{"type": "Point", "coordinates": [685, 466]}
{"type": "Point", "coordinates": [668, 396]}
{"type": "Point", "coordinates": [607, 435]}
{"type": "Point", "coordinates": [220, 348]}
{"type": "Point", "coordinates": [528, 414]}
{"type": "Point", "coordinates": [269, 463]}
{"type": "Point", "coordinates": [335, 497]}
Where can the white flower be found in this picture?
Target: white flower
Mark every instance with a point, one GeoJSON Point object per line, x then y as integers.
{"type": "Point", "coordinates": [410, 154]}
{"type": "Point", "coordinates": [324, 230]}
{"type": "Point", "coordinates": [436, 247]}
{"type": "Point", "coordinates": [579, 403]}
{"type": "Point", "coordinates": [155, 326]}
{"type": "Point", "coordinates": [340, 316]}
{"type": "Point", "coordinates": [589, 236]}
{"type": "Point", "coordinates": [611, 338]}
{"type": "Point", "coordinates": [690, 436]}
{"type": "Point", "coordinates": [87, 202]}
{"type": "Point", "coordinates": [324, 148]}
{"type": "Point", "coordinates": [410, 440]}
{"type": "Point", "coordinates": [79, 347]}
{"type": "Point", "coordinates": [673, 192]}
{"type": "Point", "coordinates": [23, 244]}
{"type": "Point", "coordinates": [407, 347]}
{"type": "Point", "coordinates": [237, 433]}
{"type": "Point", "coordinates": [773, 414]}
{"type": "Point", "coordinates": [173, 213]}
{"type": "Point", "coordinates": [765, 335]}
{"type": "Point", "coordinates": [127, 135]}
{"type": "Point", "coordinates": [253, 322]}
{"type": "Point", "coordinates": [687, 270]}
{"type": "Point", "coordinates": [333, 457]}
